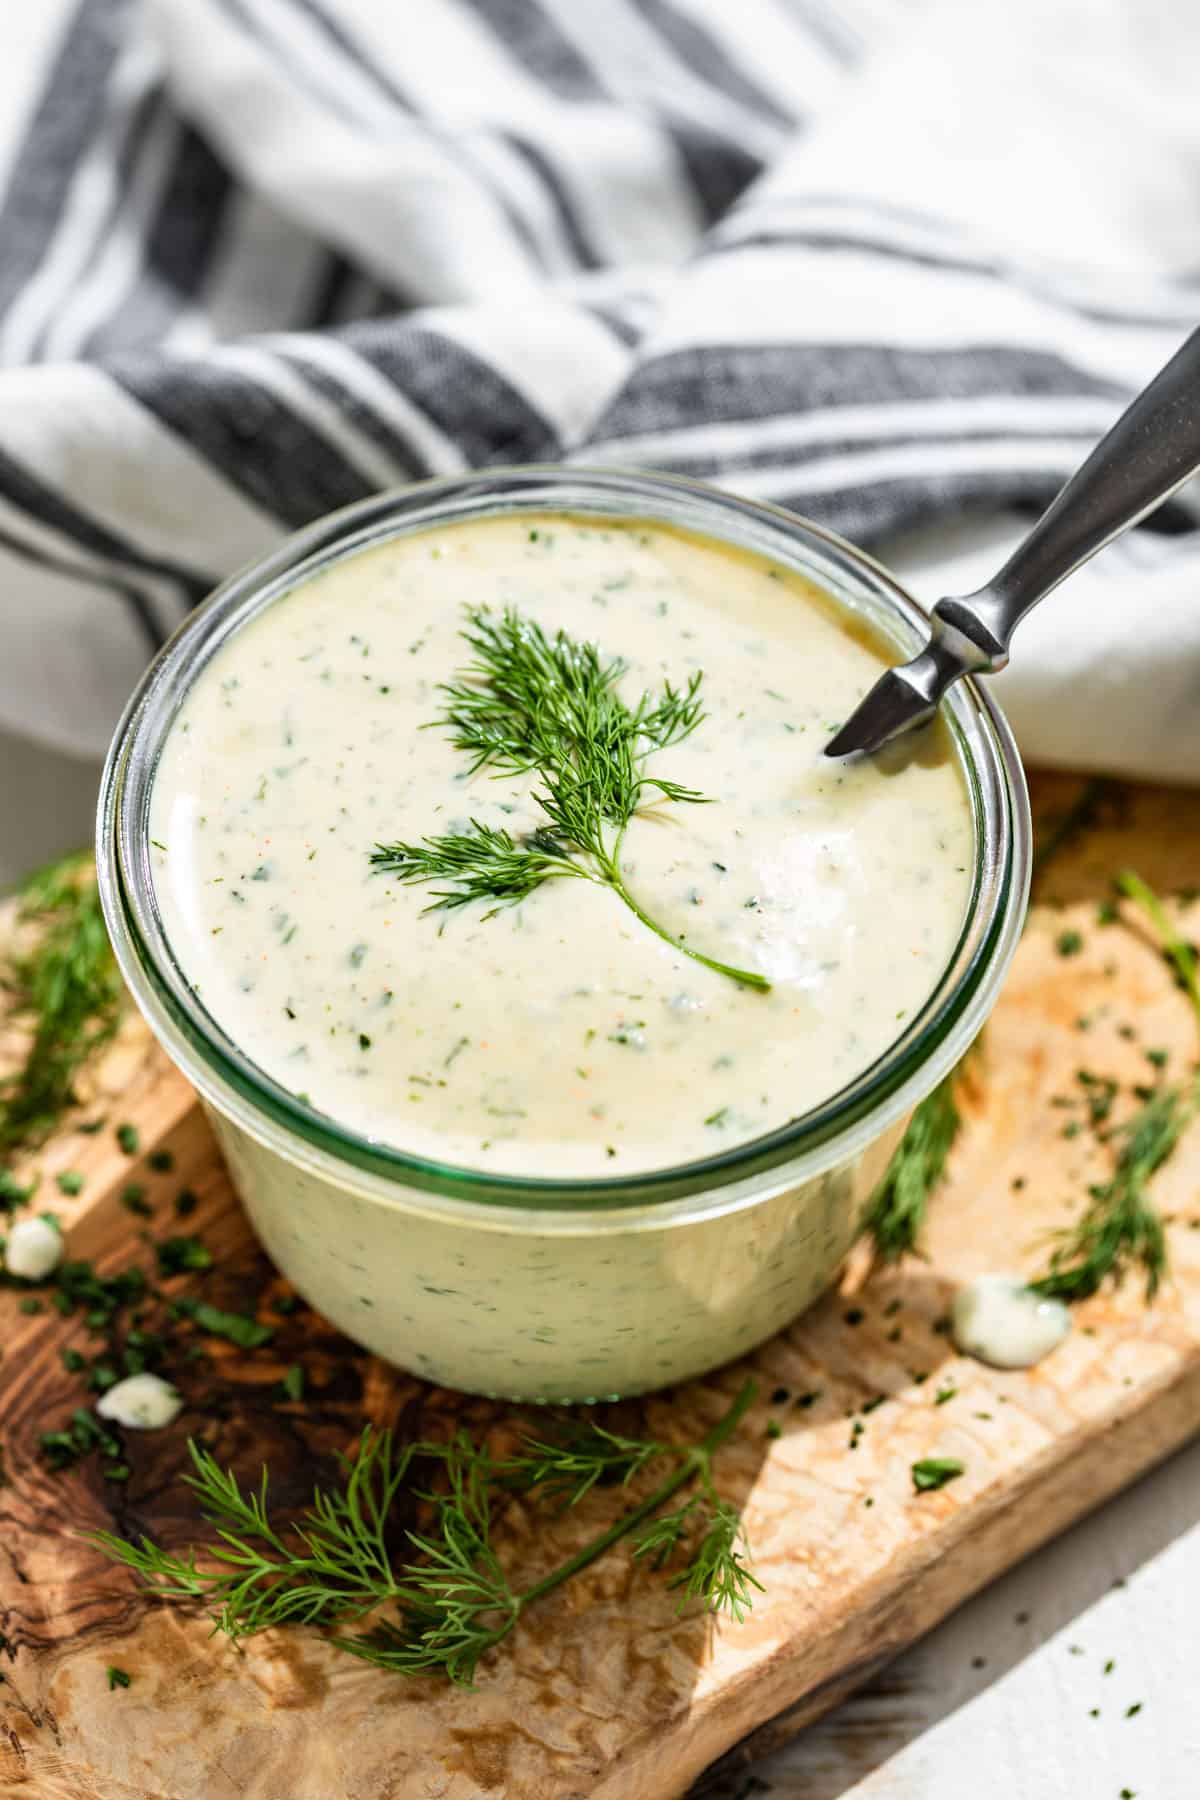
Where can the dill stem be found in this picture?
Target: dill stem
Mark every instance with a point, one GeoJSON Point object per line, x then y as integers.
{"type": "Point", "coordinates": [695, 1461]}
{"type": "Point", "coordinates": [746, 977]}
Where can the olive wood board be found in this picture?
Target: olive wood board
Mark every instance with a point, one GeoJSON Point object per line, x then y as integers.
{"type": "Point", "coordinates": [605, 1691]}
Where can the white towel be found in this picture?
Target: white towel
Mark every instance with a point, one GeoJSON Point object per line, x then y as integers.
{"type": "Point", "coordinates": [896, 265]}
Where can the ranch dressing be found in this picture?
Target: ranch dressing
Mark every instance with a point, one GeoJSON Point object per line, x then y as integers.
{"type": "Point", "coordinates": [559, 1037]}
{"type": "Point", "coordinates": [1003, 1322]}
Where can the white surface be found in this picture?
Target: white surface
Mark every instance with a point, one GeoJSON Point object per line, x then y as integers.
{"type": "Point", "coordinates": [936, 1727]}
{"type": "Point", "coordinates": [933, 1726]}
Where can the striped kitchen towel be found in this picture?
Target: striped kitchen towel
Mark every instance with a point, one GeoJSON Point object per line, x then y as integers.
{"type": "Point", "coordinates": [893, 263]}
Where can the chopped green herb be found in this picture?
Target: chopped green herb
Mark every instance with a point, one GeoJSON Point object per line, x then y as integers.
{"type": "Point", "coordinates": [70, 1181]}
{"type": "Point", "coordinates": [118, 1677]}
{"type": "Point", "coordinates": [944, 1394]}
{"type": "Point", "coordinates": [133, 1197]}
{"type": "Point", "coordinates": [83, 1434]}
{"type": "Point", "coordinates": [453, 1601]}
{"type": "Point", "coordinates": [77, 1285]}
{"type": "Point", "coordinates": [127, 1137]}
{"type": "Point", "coordinates": [12, 1194]}
{"type": "Point", "coordinates": [1069, 943]}
{"type": "Point", "coordinates": [179, 1254]}
{"type": "Point", "coordinates": [186, 1202]}
{"type": "Point", "coordinates": [935, 1471]}
{"type": "Point", "coordinates": [68, 987]}
{"type": "Point", "coordinates": [292, 1384]}
{"type": "Point", "coordinates": [1120, 1226]}
{"type": "Point", "coordinates": [162, 1161]}
{"type": "Point", "coordinates": [246, 1332]}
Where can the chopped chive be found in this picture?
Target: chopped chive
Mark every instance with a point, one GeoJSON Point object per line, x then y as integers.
{"type": "Point", "coordinates": [934, 1472]}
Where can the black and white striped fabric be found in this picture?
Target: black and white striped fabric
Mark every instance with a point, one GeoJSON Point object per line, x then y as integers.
{"type": "Point", "coordinates": [895, 264]}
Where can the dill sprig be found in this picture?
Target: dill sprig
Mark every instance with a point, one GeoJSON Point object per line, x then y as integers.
{"type": "Point", "coordinates": [1121, 1227]}
{"type": "Point", "coordinates": [333, 1565]}
{"type": "Point", "coordinates": [531, 704]}
{"type": "Point", "coordinates": [898, 1206]}
{"type": "Point", "coordinates": [716, 1572]}
{"type": "Point", "coordinates": [454, 1599]}
{"type": "Point", "coordinates": [68, 987]}
{"type": "Point", "coordinates": [582, 1455]}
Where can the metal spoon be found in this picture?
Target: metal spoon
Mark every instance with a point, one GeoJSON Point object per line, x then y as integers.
{"type": "Point", "coordinates": [1151, 450]}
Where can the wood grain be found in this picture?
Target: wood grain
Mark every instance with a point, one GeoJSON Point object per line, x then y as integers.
{"type": "Point", "coordinates": [605, 1692]}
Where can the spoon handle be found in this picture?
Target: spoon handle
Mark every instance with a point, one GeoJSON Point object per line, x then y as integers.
{"type": "Point", "coordinates": [1151, 450]}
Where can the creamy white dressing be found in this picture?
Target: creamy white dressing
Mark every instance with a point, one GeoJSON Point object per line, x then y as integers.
{"type": "Point", "coordinates": [559, 1037]}
{"type": "Point", "coordinates": [141, 1402]}
{"type": "Point", "coordinates": [1003, 1322]}
{"type": "Point", "coordinates": [34, 1249]}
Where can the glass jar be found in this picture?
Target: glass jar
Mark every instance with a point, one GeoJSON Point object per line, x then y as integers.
{"type": "Point", "coordinates": [539, 1289]}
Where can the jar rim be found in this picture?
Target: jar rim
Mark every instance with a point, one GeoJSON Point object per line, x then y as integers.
{"type": "Point", "coordinates": [932, 1042]}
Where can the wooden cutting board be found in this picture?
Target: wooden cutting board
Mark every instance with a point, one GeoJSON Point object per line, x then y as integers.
{"type": "Point", "coordinates": [605, 1692]}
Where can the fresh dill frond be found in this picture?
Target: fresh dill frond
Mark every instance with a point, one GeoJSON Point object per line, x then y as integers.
{"type": "Point", "coordinates": [454, 1600]}
{"type": "Point", "coordinates": [67, 987]}
{"type": "Point", "coordinates": [531, 704]}
{"type": "Point", "coordinates": [933, 1472]}
{"type": "Point", "coordinates": [1121, 1226]}
{"type": "Point", "coordinates": [571, 1464]}
{"type": "Point", "coordinates": [332, 1565]}
{"type": "Point", "coordinates": [716, 1573]}
{"type": "Point", "coordinates": [898, 1206]}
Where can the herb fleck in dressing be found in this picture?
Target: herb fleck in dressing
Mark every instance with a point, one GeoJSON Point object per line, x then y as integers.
{"type": "Point", "coordinates": [556, 1036]}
